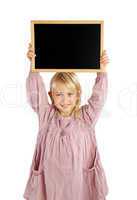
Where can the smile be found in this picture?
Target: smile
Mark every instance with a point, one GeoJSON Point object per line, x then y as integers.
{"type": "Point", "coordinates": [65, 106]}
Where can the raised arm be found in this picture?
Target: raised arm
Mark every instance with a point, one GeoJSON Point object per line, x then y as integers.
{"type": "Point", "coordinates": [35, 89]}
{"type": "Point", "coordinates": [36, 93]}
{"type": "Point", "coordinates": [92, 110]}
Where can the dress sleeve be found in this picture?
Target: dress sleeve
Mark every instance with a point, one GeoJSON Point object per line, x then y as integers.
{"type": "Point", "coordinates": [92, 110]}
{"type": "Point", "coordinates": [36, 94]}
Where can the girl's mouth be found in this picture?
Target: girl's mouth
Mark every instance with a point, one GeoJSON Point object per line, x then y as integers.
{"type": "Point", "coordinates": [65, 106]}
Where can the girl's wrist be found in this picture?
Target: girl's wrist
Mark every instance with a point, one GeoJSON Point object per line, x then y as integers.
{"type": "Point", "coordinates": [101, 73]}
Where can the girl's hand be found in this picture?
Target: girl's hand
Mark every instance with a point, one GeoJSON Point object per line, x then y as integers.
{"type": "Point", "coordinates": [104, 60]}
{"type": "Point", "coordinates": [30, 53]}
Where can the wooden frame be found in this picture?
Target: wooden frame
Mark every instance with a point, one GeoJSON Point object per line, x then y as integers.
{"type": "Point", "coordinates": [33, 22]}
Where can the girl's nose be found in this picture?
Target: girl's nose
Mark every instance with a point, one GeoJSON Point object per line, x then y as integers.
{"type": "Point", "coordinates": [65, 100]}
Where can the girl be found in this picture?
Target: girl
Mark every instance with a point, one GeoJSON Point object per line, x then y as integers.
{"type": "Point", "coordinates": [66, 164]}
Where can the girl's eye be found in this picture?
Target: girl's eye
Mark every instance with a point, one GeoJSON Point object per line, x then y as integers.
{"type": "Point", "coordinates": [69, 94]}
{"type": "Point", "coordinates": [58, 94]}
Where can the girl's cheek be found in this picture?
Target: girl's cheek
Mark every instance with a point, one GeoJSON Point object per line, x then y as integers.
{"type": "Point", "coordinates": [58, 100]}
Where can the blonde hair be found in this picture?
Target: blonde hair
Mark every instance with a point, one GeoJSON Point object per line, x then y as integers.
{"type": "Point", "coordinates": [71, 81]}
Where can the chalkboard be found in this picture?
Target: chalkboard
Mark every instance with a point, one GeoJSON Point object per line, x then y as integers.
{"type": "Point", "coordinates": [67, 45]}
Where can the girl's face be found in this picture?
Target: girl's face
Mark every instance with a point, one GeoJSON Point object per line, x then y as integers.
{"type": "Point", "coordinates": [64, 99]}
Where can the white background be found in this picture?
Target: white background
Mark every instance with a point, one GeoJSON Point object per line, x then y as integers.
{"type": "Point", "coordinates": [116, 129]}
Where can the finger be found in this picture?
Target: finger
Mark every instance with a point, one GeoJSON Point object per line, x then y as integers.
{"type": "Point", "coordinates": [30, 45]}
{"type": "Point", "coordinates": [104, 57]}
{"type": "Point", "coordinates": [31, 50]}
{"type": "Point", "coordinates": [104, 52]}
{"type": "Point", "coordinates": [31, 54]}
{"type": "Point", "coordinates": [104, 61]}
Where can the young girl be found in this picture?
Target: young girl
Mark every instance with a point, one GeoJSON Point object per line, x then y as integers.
{"type": "Point", "coordinates": [66, 164]}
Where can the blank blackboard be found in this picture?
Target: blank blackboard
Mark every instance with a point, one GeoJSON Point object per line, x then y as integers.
{"type": "Point", "coordinates": [67, 45]}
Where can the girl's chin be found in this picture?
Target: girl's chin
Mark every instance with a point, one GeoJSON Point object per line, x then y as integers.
{"type": "Point", "coordinates": [65, 111]}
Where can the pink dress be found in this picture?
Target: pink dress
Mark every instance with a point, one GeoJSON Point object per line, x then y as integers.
{"type": "Point", "coordinates": [71, 163]}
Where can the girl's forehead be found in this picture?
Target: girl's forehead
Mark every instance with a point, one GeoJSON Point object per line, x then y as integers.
{"type": "Point", "coordinates": [63, 88]}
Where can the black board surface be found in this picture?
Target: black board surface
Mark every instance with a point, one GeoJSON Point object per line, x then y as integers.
{"type": "Point", "coordinates": [67, 46]}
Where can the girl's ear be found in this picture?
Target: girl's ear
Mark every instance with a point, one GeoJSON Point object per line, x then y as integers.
{"type": "Point", "coordinates": [49, 93]}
